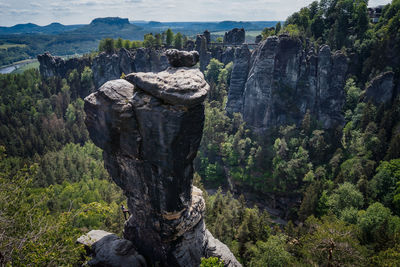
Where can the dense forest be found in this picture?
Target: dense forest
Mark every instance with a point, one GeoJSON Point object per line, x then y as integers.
{"type": "Point", "coordinates": [53, 186]}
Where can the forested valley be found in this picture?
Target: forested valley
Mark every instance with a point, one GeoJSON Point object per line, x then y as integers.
{"type": "Point", "coordinates": [54, 187]}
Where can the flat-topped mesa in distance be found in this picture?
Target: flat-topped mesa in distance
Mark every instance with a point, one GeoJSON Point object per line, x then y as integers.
{"type": "Point", "coordinates": [150, 127]}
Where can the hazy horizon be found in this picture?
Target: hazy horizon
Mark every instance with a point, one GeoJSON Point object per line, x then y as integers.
{"type": "Point", "coordinates": [42, 12]}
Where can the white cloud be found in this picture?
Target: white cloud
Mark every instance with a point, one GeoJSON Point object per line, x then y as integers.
{"type": "Point", "coordinates": [83, 11]}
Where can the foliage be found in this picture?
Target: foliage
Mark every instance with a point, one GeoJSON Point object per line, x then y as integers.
{"type": "Point", "coordinates": [271, 253]}
{"type": "Point", "coordinates": [330, 242]}
{"type": "Point", "coordinates": [169, 37]}
{"type": "Point", "coordinates": [211, 262]}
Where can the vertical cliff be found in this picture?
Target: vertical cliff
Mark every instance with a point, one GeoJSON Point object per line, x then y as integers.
{"type": "Point", "coordinates": [150, 126]}
{"type": "Point", "coordinates": [280, 80]}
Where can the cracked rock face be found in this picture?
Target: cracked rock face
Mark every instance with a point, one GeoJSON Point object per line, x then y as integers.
{"type": "Point", "coordinates": [182, 58]}
{"type": "Point", "coordinates": [381, 89]}
{"type": "Point", "coordinates": [150, 126]}
{"type": "Point", "coordinates": [281, 80]}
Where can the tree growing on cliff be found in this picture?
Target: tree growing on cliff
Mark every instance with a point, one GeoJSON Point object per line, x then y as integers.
{"type": "Point", "coordinates": [169, 37]}
{"type": "Point", "coordinates": [149, 40]}
{"type": "Point", "coordinates": [178, 41]}
{"type": "Point", "coordinates": [107, 45]}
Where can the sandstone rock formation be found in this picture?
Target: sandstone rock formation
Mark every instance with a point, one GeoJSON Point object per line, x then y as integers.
{"type": "Point", "coordinates": [381, 89]}
{"type": "Point", "coordinates": [110, 66]}
{"type": "Point", "coordinates": [202, 48]}
{"type": "Point", "coordinates": [105, 66]}
{"type": "Point", "coordinates": [149, 127]}
{"type": "Point", "coordinates": [235, 36]}
{"type": "Point", "coordinates": [110, 250]}
{"type": "Point", "coordinates": [239, 75]}
{"type": "Point", "coordinates": [56, 66]}
{"type": "Point", "coordinates": [182, 58]}
{"type": "Point", "coordinates": [258, 39]}
{"type": "Point", "coordinates": [284, 80]}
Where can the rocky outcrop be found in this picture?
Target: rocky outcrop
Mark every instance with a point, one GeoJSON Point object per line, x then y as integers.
{"type": "Point", "coordinates": [106, 66]}
{"type": "Point", "coordinates": [182, 58]}
{"type": "Point", "coordinates": [284, 80]}
{"type": "Point", "coordinates": [258, 39]}
{"type": "Point", "coordinates": [108, 249]}
{"type": "Point", "coordinates": [150, 60]}
{"type": "Point", "coordinates": [111, 66]}
{"type": "Point", "coordinates": [205, 55]}
{"type": "Point", "coordinates": [239, 75]}
{"type": "Point", "coordinates": [381, 89]}
{"type": "Point", "coordinates": [207, 35]}
{"type": "Point", "coordinates": [149, 127]}
{"type": "Point", "coordinates": [235, 36]}
{"type": "Point", "coordinates": [189, 45]}
{"type": "Point", "coordinates": [56, 66]}
{"type": "Point", "coordinates": [228, 55]}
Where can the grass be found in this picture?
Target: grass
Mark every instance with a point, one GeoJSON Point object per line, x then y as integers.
{"type": "Point", "coordinates": [6, 46]}
{"type": "Point", "coordinates": [31, 65]}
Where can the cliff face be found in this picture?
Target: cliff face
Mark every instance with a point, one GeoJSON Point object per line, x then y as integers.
{"type": "Point", "coordinates": [235, 36]}
{"type": "Point", "coordinates": [150, 126]}
{"type": "Point", "coordinates": [105, 66]}
{"type": "Point", "coordinates": [381, 89]}
{"type": "Point", "coordinates": [55, 66]}
{"type": "Point", "coordinates": [280, 80]}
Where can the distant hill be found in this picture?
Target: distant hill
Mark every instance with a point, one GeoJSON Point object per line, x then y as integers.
{"type": "Point", "coordinates": [52, 28]}
{"type": "Point", "coordinates": [24, 41]}
{"type": "Point", "coordinates": [110, 27]}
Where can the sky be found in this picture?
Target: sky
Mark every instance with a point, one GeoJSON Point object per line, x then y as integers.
{"type": "Point", "coordinates": [43, 12]}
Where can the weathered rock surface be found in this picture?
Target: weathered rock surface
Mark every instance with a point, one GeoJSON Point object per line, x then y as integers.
{"type": "Point", "coordinates": [189, 45]}
{"type": "Point", "coordinates": [150, 129]}
{"type": "Point", "coordinates": [202, 45]}
{"type": "Point", "coordinates": [284, 80]}
{"type": "Point", "coordinates": [178, 58]}
{"type": "Point", "coordinates": [108, 249]}
{"type": "Point", "coordinates": [111, 66]}
{"type": "Point", "coordinates": [56, 66]}
{"type": "Point", "coordinates": [176, 86]}
{"type": "Point", "coordinates": [235, 36]}
{"type": "Point", "coordinates": [381, 89]}
{"type": "Point", "coordinates": [239, 75]}
{"type": "Point", "coordinates": [108, 67]}
{"type": "Point", "coordinates": [150, 60]}
{"type": "Point", "coordinates": [258, 39]}
{"type": "Point", "coordinates": [228, 55]}
{"type": "Point", "coordinates": [105, 66]}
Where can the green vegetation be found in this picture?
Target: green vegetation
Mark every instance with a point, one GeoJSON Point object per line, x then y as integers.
{"type": "Point", "coordinates": [348, 178]}
{"type": "Point", "coordinates": [7, 46]}
{"type": "Point", "coordinates": [51, 190]}
{"type": "Point", "coordinates": [53, 186]}
{"type": "Point", "coordinates": [167, 39]}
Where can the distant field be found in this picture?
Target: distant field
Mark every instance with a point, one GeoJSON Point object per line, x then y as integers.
{"type": "Point", "coordinates": [6, 46]}
{"type": "Point", "coordinates": [32, 65]}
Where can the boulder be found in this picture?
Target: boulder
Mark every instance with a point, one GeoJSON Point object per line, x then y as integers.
{"type": "Point", "coordinates": [178, 58]}
{"type": "Point", "coordinates": [107, 249]}
{"type": "Point", "coordinates": [235, 36]}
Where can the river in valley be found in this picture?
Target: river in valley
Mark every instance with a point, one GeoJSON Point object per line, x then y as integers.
{"type": "Point", "coordinates": [15, 66]}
